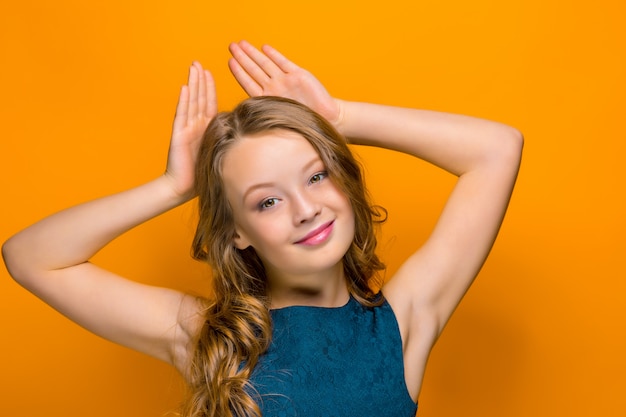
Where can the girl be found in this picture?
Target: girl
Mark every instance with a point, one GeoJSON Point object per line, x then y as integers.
{"type": "Point", "coordinates": [293, 327]}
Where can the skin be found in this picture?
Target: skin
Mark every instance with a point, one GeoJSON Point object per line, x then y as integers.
{"type": "Point", "coordinates": [51, 258]}
{"type": "Point", "coordinates": [279, 191]}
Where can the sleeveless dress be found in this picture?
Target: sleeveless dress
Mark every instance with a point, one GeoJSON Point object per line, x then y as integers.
{"type": "Point", "coordinates": [333, 362]}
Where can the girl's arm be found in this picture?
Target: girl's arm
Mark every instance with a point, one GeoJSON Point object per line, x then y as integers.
{"type": "Point", "coordinates": [51, 257]}
{"type": "Point", "coordinates": [484, 155]}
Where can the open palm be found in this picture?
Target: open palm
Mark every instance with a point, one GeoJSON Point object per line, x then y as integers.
{"type": "Point", "coordinates": [197, 105]}
{"type": "Point", "coordinates": [269, 73]}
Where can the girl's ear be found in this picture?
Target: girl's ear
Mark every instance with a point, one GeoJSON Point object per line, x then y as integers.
{"type": "Point", "coordinates": [240, 240]}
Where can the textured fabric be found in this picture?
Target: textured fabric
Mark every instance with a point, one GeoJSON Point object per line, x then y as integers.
{"type": "Point", "coordinates": [333, 362]}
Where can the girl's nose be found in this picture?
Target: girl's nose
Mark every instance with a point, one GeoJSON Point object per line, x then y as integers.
{"type": "Point", "coordinates": [306, 208]}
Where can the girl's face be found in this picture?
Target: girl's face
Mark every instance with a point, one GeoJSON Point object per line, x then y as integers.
{"type": "Point", "coordinates": [287, 208]}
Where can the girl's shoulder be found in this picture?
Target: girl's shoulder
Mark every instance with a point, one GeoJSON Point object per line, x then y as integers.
{"type": "Point", "coordinates": [190, 321]}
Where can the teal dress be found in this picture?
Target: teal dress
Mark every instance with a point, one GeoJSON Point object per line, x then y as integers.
{"type": "Point", "coordinates": [333, 362]}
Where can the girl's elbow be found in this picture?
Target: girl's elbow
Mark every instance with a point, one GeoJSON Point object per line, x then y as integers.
{"type": "Point", "coordinates": [516, 137]}
{"type": "Point", "coordinates": [510, 147]}
{"type": "Point", "coordinates": [503, 152]}
{"type": "Point", "coordinates": [8, 257]}
{"type": "Point", "coordinates": [14, 261]}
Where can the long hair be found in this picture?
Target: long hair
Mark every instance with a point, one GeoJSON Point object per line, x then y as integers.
{"type": "Point", "coordinates": [237, 327]}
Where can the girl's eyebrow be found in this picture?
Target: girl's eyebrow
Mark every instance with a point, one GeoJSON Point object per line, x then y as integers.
{"type": "Point", "coordinates": [254, 187]}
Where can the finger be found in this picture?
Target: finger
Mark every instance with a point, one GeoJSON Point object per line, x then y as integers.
{"type": "Point", "coordinates": [249, 65]}
{"type": "Point", "coordinates": [180, 120]}
{"type": "Point", "coordinates": [202, 97]}
{"type": "Point", "coordinates": [267, 65]}
{"type": "Point", "coordinates": [249, 85]}
{"type": "Point", "coordinates": [192, 109]}
{"type": "Point", "coordinates": [279, 59]}
{"type": "Point", "coordinates": [211, 107]}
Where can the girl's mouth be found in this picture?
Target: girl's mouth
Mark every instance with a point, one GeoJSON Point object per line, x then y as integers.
{"type": "Point", "coordinates": [318, 235]}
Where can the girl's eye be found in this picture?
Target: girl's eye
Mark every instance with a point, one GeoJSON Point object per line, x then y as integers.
{"type": "Point", "coordinates": [268, 203]}
{"type": "Point", "coordinates": [318, 177]}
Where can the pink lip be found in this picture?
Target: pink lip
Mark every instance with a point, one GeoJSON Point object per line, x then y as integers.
{"type": "Point", "coordinates": [318, 235]}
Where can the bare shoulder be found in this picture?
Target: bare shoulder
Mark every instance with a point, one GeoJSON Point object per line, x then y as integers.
{"type": "Point", "coordinates": [418, 327]}
{"type": "Point", "coordinates": [408, 294]}
{"type": "Point", "coordinates": [191, 317]}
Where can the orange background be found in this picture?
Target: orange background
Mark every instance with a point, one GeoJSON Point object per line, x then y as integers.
{"type": "Point", "coordinates": [88, 95]}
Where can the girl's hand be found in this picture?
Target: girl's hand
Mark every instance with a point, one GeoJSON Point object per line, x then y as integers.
{"type": "Point", "coordinates": [197, 105]}
{"type": "Point", "coordinates": [269, 73]}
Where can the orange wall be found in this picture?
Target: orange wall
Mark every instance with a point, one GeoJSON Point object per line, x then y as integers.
{"type": "Point", "coordinates": [88, 94]}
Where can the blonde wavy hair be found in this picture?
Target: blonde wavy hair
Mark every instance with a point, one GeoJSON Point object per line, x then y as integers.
{"type": "Point", "coordinates": [237, 327]}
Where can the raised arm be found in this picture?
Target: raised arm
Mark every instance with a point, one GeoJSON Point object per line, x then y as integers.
{"type": "Point", "coordinates": [484, 155]}
{"type": "Point", "coordinates": [51, 257]}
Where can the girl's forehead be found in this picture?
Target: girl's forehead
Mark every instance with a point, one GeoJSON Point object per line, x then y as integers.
{"type": "Point", "coordinates": [277, 145]}
{"type": "Point", "coordinates": [267, 157]}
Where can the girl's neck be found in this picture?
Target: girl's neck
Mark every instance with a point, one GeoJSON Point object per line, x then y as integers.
{"type": "Point", "coordinates": [326, 289]}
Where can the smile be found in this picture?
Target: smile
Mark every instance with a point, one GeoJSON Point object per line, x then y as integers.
{"type": "Point", "coordinates": [318, 235]}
